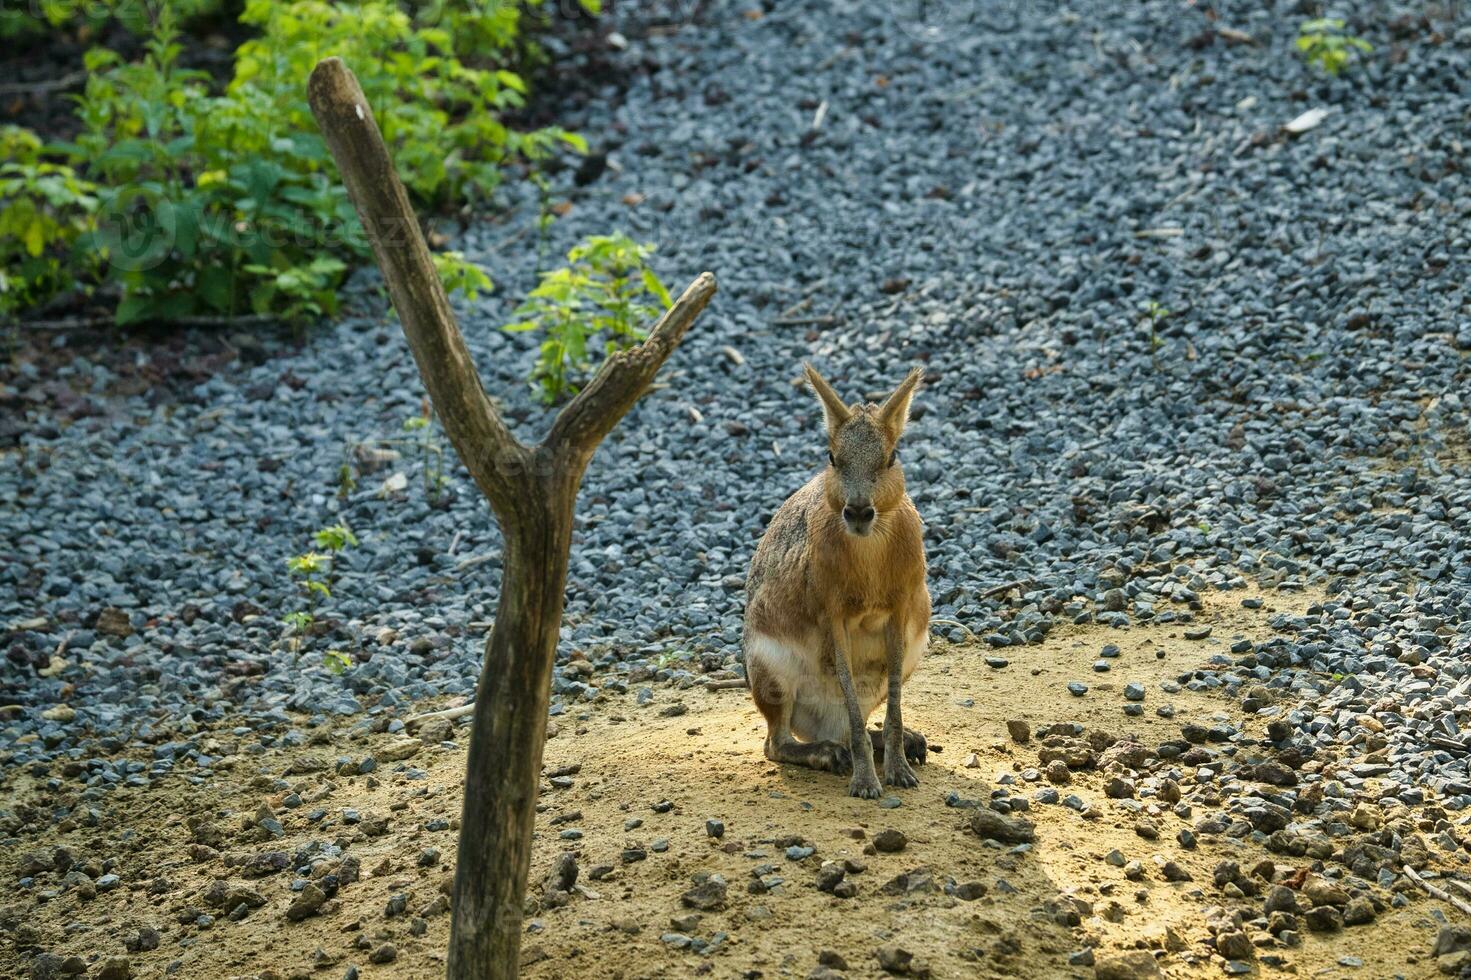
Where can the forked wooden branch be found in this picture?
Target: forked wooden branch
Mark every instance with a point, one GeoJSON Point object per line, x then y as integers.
{"type": "Point", "coordinates": [625, 376]}
{"type": "Point", "coordinates": [493, 455]}
{"type": "Point", "coordinates": [533, 492]}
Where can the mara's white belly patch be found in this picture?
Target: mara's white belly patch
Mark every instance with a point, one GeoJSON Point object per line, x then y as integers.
{"type": "Point", "coordinates": [795, 667]}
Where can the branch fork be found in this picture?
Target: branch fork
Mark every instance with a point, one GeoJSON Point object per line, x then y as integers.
{"type": "Point", "coordinates": [532, 490]}
{"type": "Point", "coordinates": [470, 421]}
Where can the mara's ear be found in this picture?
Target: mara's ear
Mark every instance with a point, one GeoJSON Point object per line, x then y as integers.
{"type": "Point", "coordinates": [894, 413]}
{"type": "Point", "coordinates": [833, 408]}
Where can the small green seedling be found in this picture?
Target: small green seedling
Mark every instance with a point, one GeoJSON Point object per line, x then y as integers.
{"type": "Point", "coordinates": [310, 567]}
{"type": "Point", "coordinates": [336, 661]}
{"type": "Point", "coordinates": [604, 296]}
{"type": "Point", "coordinates": [1155, 314]}
{"type": "Point", "coordinates": [333, 539]}
{"type": "Point", "coordinates": [544, 216]}
{"type": "Point", "coordinates": [459, 275]}
{"type": "Point", "coordinates": [425, 441]}
{"type": "Point", "coordinates": [315, 571]}
{"type": "Point", "coordinates": [346, 482]}
{"type": "Point", "coordinates": [1324, 45]}
{"type": "Point", "coordinates": [668, 657]}
{"type": "Point", "coordinates": [310, 570]}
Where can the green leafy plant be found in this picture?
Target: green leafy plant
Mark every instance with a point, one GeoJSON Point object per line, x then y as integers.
{"type": "Point", "coordinates": [604, 296]}
{"type": "Point", "coordinates": [545, 217]}
{"type": "Point", "coordinates": [300, 621]}
{"type": "Point", "coordinates": [440, 116]}
{"type": "Point", "coordinates": [207, 202]}
{"type": "Point", "coordinates": [32, 18]}
{"type": "Point", "coordinates": [346, 481]}
{"type": "Point", "coordinates": [310, 570]}
{"type": "Point", "coordinates": [669, 658]}
{"type": "Point", "coordinates": [487, 27]}
{"type": "Point", "coordinates": [1324, 44]}
{"type": "Point", "coordinates": [335, 538]}
{"type": "Point", "coordinates": [206, 209]}
{"type": "Point", "coordinates": [459, 275]}
{"type": "Point", "coordinates": [297, 292]}
{"type": "Point", "coordinates": [44, 209]}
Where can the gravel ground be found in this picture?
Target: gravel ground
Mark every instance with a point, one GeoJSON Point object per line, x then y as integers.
{"type": "Point", "coordinates": [995, 197]}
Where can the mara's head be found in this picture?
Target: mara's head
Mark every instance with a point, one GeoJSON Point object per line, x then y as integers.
{"type": "Point", "coordinates": [863, 481]}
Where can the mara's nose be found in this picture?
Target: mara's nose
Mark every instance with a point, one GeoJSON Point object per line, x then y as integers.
{"type": "Point", "coordinates": [858, 513]}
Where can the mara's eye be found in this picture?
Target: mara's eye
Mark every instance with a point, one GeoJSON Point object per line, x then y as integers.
{"type": "Point", "coordinates": [893, 457]}
{"type": "Point", "coordinates": [830, 460]}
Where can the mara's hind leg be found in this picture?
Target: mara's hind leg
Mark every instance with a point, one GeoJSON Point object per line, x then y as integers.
{"type": "Point", "coordinates": [864, 783]}
{"type": "Point", "coordinates": [775, 704]}
{"type": "Point", "coordinates": [916, 748]}
{"type": "Point", "coordinates": [896, 746]}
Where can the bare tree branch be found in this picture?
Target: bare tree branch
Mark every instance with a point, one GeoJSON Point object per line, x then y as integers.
{"type": "Point", "coordinates": [625, 376]}
{"type": "Point", "coordinates": [492, 454]}
{"type": "Point", "coordinates": [534, 493]}
{"type": "Point", "coordinates": [1439, 893]}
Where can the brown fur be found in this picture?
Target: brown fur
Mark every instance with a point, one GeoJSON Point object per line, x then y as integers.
{"type": "Point", "coordinates": [826, 583]}
{"type": "Point", "coordinates": [808, 569]}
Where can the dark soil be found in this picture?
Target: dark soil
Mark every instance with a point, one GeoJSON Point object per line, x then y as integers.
{"type": "Point", "coordinates": [45, 71]}
{"type": "Point", "coordinates": [161, 365]}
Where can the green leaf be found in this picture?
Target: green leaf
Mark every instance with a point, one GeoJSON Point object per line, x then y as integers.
{"type": "Point", "coordinates": [171, 307]}
{"type": "Point", "coordinates": [511, 80]}
{"type": "Point", "coordinates": [35, 237]}
{"type": "Point", "coordinates": [336, 661]}
{"type": "Point", "coordinates": [335, 537]}
{"type": "Point", "coordinates": [653, 285]}
{"type": "Point", "coordinates": [131, 309]}
{"type": "Point", "coordinates": [214, 287]}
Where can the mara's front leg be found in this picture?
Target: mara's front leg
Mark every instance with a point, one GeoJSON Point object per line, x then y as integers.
{"type": "Point", "coordinates": [865, 781]}
{"type": "Point", "coordinates": [896, 766]}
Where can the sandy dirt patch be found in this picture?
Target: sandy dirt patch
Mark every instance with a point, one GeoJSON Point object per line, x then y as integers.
{"type": "Point", "coordinates": [630, 788]}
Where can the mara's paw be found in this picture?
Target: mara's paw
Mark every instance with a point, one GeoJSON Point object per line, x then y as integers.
{"type": "Point", "coordinates": [916, 749]}
{"type": "Point", "coordinates": [834, 757]}
{"type": "Point", "coordinates": [898, 773]}
{"type": "Point", "coordinates": [865, 786]}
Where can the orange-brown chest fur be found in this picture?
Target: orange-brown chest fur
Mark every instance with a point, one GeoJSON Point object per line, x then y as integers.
{"type": "Point", "coordinates": [872, 577]}
{"type": "Point", "coordinates": [809, 574]}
